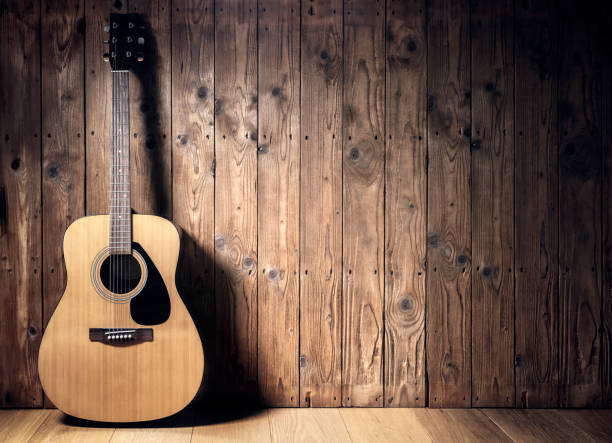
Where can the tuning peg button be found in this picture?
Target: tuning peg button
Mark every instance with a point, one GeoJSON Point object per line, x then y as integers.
{"type": "Point", "coordinates": [140, 41]}
{"type": "Point", "coordinates": [106, 57]}
{"type": "Point", "coordinates": [140, 57]}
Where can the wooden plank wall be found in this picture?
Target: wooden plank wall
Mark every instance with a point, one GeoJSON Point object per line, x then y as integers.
{"type": "Point", "coordinates": [382, 203]}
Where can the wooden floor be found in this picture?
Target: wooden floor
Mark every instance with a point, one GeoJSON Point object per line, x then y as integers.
{"type": "Point", "coordinates": [324, 425]}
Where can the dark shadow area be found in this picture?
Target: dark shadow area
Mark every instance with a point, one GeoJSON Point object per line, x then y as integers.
{"type": "Point", "coordinates": [219, 399]}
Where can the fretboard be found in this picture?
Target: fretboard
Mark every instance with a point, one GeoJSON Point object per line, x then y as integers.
{"type": "Point", "coordinates": [120, 237]}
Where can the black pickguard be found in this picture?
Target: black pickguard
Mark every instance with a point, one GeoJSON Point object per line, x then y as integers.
{"type": "Point", "coordinates": [152, 305]}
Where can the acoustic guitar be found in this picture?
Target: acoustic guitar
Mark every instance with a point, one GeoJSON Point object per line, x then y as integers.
{"type": "Point", "coordinates": [121, 345]}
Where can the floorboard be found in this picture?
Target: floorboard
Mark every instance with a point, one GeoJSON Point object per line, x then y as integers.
{"type": "Point", "coordinates": [354, 425]}
{"type": "Point", "coordinates": [536, 425]}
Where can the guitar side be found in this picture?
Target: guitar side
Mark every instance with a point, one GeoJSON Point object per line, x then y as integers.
{"type": "Point", "coordinates": [104, 382]}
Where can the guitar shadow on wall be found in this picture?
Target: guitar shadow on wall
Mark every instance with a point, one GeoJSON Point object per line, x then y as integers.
{"type": "Point", "coordinates": [217, 401]}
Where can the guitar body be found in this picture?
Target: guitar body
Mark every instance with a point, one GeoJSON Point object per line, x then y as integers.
{"type": "Point", "coordinates": [131, 379]}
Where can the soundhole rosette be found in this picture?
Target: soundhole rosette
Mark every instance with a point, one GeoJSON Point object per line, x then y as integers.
{"type": "Point", "coordinates": [100, 276]}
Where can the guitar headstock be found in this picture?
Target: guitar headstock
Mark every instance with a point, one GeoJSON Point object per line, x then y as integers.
{"type": "Point", "coordinates": [126, 42]}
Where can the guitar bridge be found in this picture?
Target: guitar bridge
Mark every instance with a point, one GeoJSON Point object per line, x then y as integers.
{"type": "Point", "coordinates": [121, 337]}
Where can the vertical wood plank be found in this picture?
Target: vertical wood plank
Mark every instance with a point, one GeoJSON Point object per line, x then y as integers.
{"type": "Point", "coordinates": [20, 204]}
{"type": "Point", "coordinates": [492, 186]}
{"type": "Point", "coordinates": [580, 210]}
{"type": "Point", "coordinates": [405, 204]}
{"type": "Point", "coordinates": [606, 359]}
{"type": "Point", "coordinates": [236, 191]}
{"type": "Point", "coordinates": [278, 202]}
{"type": "Point", "coordinates": [193, 175]}
{"type": "Point", "coordinates": [97, 105]}
{"type": "Point", "coordinates": [448, 223]}
{"type": "Point", "coordinates": [363, 226]}
{"type": "Point", "coordinates": [536, 202]}
{"type": "Point", "coordinates": [150, 112]}
{"type": "Point", "coordinates": [63, 151]}
{"type": "Point", "coordinates": [321, 203]}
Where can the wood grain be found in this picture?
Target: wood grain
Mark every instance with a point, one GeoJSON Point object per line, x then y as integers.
{"type": "Point", "coordinates": [84, 379]}
{"type": "Point", "coordinates": [278, 203]}
{"type": "Point", "coordinates": [193, 163]}
{"type": "Point", "coordinates": [321, 203]}
{"type": "Point", "coordinates": [20, 204]}
{"type": "Point", "coordinates": [606, 344]}
{"type": "Point", "coordinates": [536, 191]}
{"type": "Point", "coordinates": [150, 110]}
{"type": "Point", "coordinates": [449, 212]}
{"type": "Point", "coordinates": [19, 425]}
{"type": "Point", "coordinates": [580, 212]}
{"type": "Point", "coordinates": [405, 204]}
{"type": "Point", "coordinates": [389, 425]}
{"type": "Point", "coordinates": [460, 425]}
{"type": "Point", "coordinates": [305, 425]}
{"type": "Point", "coordinates": [63, 151]}
{"type": "Point", "coordinates": [363, 225]}
{"type": "Point", "coordinates": [535, 426]}
{"type": "Point", "coordinates": [492, 185]}
{"type": "Point", "coordinates": [52, 429]}
{"type": "Point", "coordinates": [236, 192]}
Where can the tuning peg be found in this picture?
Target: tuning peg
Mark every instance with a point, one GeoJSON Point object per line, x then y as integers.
{"type": "Point", "coordinates": [106, 42]}
{"type": "Point", "coordinates": [106, 57]}
{"type": "Point", "coordinates": [106, 28]}
{"type": "Point", "coordinates": [140, 41]}
{"type": "Point", "coordinates": [140, 57]}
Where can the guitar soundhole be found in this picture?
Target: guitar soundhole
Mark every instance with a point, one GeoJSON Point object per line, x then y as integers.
{"type": "Point", "coordinates": [120, 274]}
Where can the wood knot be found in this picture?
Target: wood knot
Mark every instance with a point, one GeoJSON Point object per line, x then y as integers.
{"type": "Point", "coordinates": [476, 145]}
{"type": "Point", "coordinates": [490, 87]}
{"type": "Point", "coordinates": [220, 242]}
{"type": "Point", "coordinates": [324, 55]}
{"type": "Point", "coordinates": [405, 304]}
{"type": "Point", "coordinates": [461, 259]}
{"type": "Point", "coordinates": [248, 263]}
{"type": "Point", "coordinates": [302, 361]}
{"type": "Point", "coordinates": [276, 91]}
{"type": "Point", "coordinates": [487, 272]}
{"type": "Point", "coordinates": [411, 46]}
{"type": "Point", "coordinates": [15, 163]}
{"type": "Point", "coordinates": [433, 240]}
{"type": "Point", "coordinates": [274, 274]}
{"type": "Point", "coordinates": [202, 93]}
{"type": "Point", "coordinates": [53, 170]}
{"type": "Point", "coordinates": [431, 103]}
{"type": "Point", "coordinates": [32, 331]}
{"type": "Point", "coordinates": [354, 154]}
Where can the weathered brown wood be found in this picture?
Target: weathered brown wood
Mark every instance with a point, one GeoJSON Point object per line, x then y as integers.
{"type": "Point", "coordinates": [63, 151]}
{"type": "Point", "coordinates": [236, 191]}
{"type": "Point", "coordinates": [606, 345]}
{"type": "Point", "coordinates": [193, 164]}
{"type": "Point", "coordinates": [321, 203]}
{"type": "Point", "coordinates": [448, 223]}
{"type": "Point", "coordinates": [150, 89]}
{"type": "Point", "coordinates": [20, 204]}
{"type": "Point", "coordinates": [363, 203]}
{"type": "Point", "coordinates": [97, 105]}
{"type": "Point", "coordinates": [492, 186]}
{"type": "Point", "coordinates": [278, 203]}
{"type": "Point", "coordinates": [536, 194]}
{"type": "Point", "coordinates": [405, 204]}
{"type": "Point", "coordinates": [579, 210]}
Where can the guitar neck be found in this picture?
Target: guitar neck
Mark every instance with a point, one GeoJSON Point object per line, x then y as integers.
{"type": "Point", "coordinates": [120, 236]}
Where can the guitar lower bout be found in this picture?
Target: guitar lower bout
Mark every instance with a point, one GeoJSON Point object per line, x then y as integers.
{"type": "Point", "coordinates": [121, 345]}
